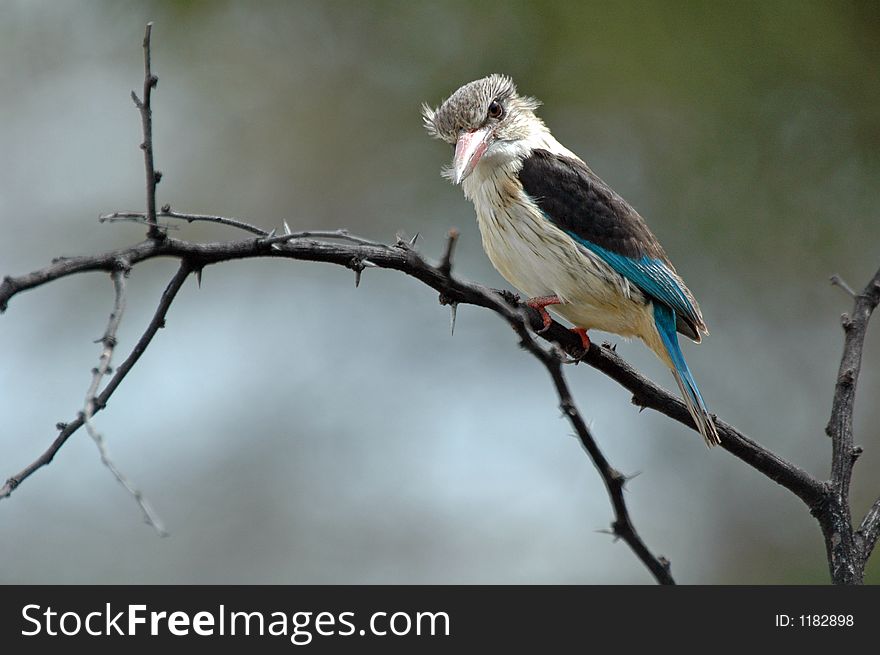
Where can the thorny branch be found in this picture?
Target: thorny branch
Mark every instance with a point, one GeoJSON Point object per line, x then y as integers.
{"type": "Point", "coordinates": [828, 501]}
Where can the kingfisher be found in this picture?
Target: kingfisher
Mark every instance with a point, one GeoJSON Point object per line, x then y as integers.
{"type": "Point", "coordinates": [558, 233]}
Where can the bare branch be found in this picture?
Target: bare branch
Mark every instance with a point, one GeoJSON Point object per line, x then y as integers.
{"type": "Point", "coordinates": [100, 401]}
{"type": "Point", "coordinates": [622, 527]}
{"type": "Point", "coordinates": [190, 218]}
{"type": "Point", "coordinates": [845, 558]}
{"type": "Point", "coordinates": [108, 341]}
{"type": "Point", "coordinates": [145, 109]}
{"type": "Point", "coordinates": [109, 344]}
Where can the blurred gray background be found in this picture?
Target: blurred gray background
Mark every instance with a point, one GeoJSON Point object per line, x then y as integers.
{"type": "Point", "coordinates": [290, 428]}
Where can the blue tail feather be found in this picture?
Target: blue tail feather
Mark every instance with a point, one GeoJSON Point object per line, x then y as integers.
{"type": "Point", "coordinates": [664, 319]}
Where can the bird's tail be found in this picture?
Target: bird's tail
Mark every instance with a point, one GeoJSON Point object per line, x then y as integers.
{"type": "Point", "coordinates": [664, 319]}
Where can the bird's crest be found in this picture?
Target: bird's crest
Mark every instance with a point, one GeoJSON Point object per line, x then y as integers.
{"type": "Point", "coordinates": [466, 108]}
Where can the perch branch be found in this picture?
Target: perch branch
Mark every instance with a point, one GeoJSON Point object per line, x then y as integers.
{"type": "Point", "coordinates": [402, 257]}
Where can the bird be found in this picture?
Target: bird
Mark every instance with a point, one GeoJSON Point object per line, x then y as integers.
{"type": "Point", "coordinates": [562, 236]}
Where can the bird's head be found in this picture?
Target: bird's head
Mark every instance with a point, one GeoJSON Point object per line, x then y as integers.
{"type": "Point", "coordinates": [484, 120]}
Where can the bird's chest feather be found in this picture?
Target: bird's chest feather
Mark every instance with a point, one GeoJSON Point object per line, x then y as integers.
{"type": "Point", "coordinates": [539, 259]}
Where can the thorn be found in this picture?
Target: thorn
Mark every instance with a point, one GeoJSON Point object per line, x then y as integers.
{"type": "Point", "coordinates": [453, 306]}
{"type": "Point", "coordinates": [286, 228]}
{"type": "Point", "coordinates": [271, 234]}
{"type": "Point", "coordinates": [412, 241]}
{"type": "Point", "coordinates": [567, 408]}
{"type": "Point", "coordinates": [275, 246]}
{"type": "Point", "coordinates": [199, 277]}
{"type": "Point", "coordinates": [369, 264]}
{"type": "Point", "coordinates": [357, 265]}
{"type": "Point", "coordinates": [838, 281]}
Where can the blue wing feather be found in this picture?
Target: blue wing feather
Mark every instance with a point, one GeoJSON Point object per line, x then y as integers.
{"type": "Point", "coordinates": [650, 275]}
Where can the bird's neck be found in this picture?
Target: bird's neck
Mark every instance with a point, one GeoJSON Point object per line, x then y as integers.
{"type": "Point", "coordinates": [496, 174]}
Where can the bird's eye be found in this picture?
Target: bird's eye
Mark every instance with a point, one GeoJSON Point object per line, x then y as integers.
{"type": "Point", "coordinates": [495, 109]}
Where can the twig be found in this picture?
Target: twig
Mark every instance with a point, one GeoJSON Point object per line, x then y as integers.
{"type": "Point", "coordinates": [108, 341]}
{"type": "Point", "coordinates": [190, 218]}
{"type": "Point", "coordinates": [145, 109]}
{"type": "Point", "coordinates": [138, 220]}
{"type": "Point", "coordinates": [622, 527]}
{"type": "Point", "coordinates": [100, 402]}
{"type": "Point", "coordinates": [838, 281]}
{"type": "Point", "coordinates": [109, 344]}
{"type": "Point", "coordinates": [167, 212]}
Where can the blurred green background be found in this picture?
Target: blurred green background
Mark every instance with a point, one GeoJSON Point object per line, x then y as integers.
{"type": "Point", "coordinates": [291, 428]}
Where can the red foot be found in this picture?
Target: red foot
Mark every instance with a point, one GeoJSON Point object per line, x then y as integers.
{"type": "Point", "coordinates": [585, 339]}
{"type": "Point", "coordinates": [539, 303]}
